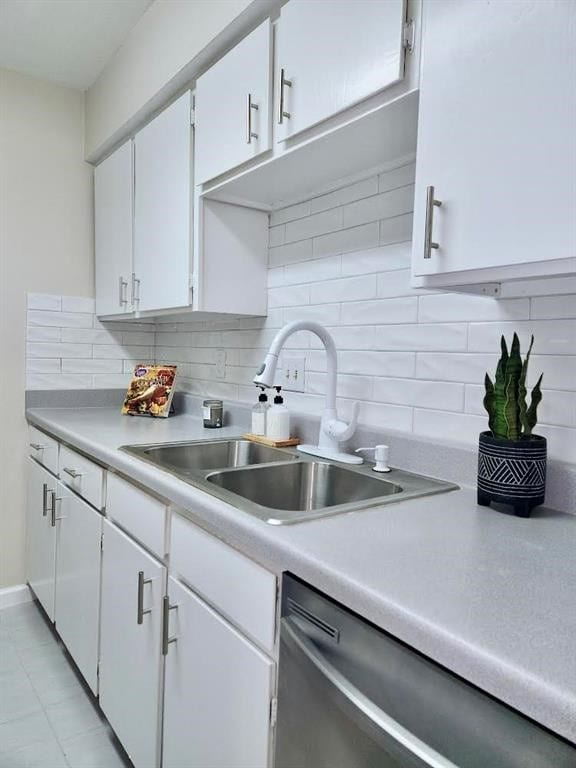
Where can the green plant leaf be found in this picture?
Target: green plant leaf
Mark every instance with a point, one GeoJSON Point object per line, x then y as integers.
{"type": "Point", "coordinates": [489, 401]}
{"type": "Point", "coordinates": [511, 408]}
{"type": "Point", "coordinates": [522, 405]}
{"type": "Point", "coordinates": [499, 427]}
{"type": "Point", "coordinates": [531, 413]}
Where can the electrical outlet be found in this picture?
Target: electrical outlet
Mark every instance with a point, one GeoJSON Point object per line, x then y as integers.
{"type": "Point", "coordinates": [221, 364]}
{"type": "Point", "coordinates": [293, 372]}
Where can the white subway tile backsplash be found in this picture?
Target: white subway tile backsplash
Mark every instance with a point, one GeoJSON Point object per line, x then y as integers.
{"type": "Point", "coordinates": [353, 239]}
{"type": "Point", "coordinates": [60, 319]}
{"type": "Point", "coordinates": [550, 337]}
{"type": "Point", "coordinates": [382, 206]}
{"type": "Point", "coordinates": [78, 304]}
{"type": "Point", "coordinates": [442, 308]}
{"type": "Point", "coordinates": [59, 350]}
{"type": "Point", "coordinates": [312, 226]}
{"type": "Point", "coordinates": [44, 301]}
{"type": "Point", "coordinates": [401, 310]}
{"type": "Point", "coordinates": [348, 194]}
{"type": "Point", "coordinates": [424, 394]}
{"type": "Point", "coordinates": [344, 289]}
{"type": "Point", "coordinates": [382, 259]}
{"type": "Point", "coordinates": [396, 230]}
{"type": "Point", "coordinates": [415, 359]}
{"type": "Point", "coordinates": [548, 307]}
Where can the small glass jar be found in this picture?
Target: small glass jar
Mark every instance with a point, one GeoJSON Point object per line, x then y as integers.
{"type": "Point", "coordinates": [213, 414]}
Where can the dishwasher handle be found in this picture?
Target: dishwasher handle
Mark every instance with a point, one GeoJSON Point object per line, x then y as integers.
{"type": "Point", "coordinates": [359, 707]}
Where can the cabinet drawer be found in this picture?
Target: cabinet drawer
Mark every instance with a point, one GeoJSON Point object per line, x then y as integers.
{"type": "Point", "coordinates": [43, 448]}
{"type": "Point", "coordinates": [236, 586]}
{"type": "Point", "coordinates": [138, 513]}
{"type": "Point", "coordinates": [82, 475]}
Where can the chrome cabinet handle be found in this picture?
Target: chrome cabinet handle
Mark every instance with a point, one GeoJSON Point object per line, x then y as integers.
{"type": "Point", "coordinates": [430, 203]}
{"type": "Point", "coordinates": [53, 517]}
{"type": "Point", "coordinates": [72, 472]}
{"type": "Point", "coordinates": [140, 610]}
{"type": "Point", "coordinates": [249, 132]}
{"type": "Point", "coordinates": [135, 289]}
{"type": "Point", "coordinates": [282, 112]}
{"type": "Point", "coordinates": [37, 446]}
{"type": "Point", "coordinates": [166, 639]}
{"type": "Point", "coordinates": [122, 291]}
{"type": "Point", "coordinates": [44, 499]}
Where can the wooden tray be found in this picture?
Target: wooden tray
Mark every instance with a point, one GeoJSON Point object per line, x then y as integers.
{"type": "Point", "coordinates": [272, 443]}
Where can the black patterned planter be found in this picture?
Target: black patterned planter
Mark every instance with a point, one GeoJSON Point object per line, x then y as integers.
{"type": "Point", "coordinates": [512, 472]}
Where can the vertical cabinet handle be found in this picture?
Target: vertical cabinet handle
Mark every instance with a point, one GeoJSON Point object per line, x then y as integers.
{"type": "Point", "coordinates": [284, 82]}
{"type": "Point", "coordinates": [140, 610]}
{"type": "Point", "coordinates": [166, 639]}
{"type": "Point", "coordinates": [53, 500]}
{"type": "Point", "coordinates": [430, 203]}
{"type": "Point", "coordinates": [135, 289]}
{"type": "Point", "coordinates": [44, 499]}
{"type": "Point", "coordinates": [122, 291]}
{"type": "Point", "coordinates": [249, 132]}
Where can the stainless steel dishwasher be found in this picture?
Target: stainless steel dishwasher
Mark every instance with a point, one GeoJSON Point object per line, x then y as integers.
{"type": "Point", "coordinates": [351, 696]}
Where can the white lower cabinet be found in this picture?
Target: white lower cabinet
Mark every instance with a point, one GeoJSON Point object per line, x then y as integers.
{"type": "Point", "coordinates": [218, 690]}
{"type": "Point", "coordinates": [131, 654]}
{"type": "Point", "coordinates": [41, 535]}
{"type": "Point", "coordinates": [77, 598]}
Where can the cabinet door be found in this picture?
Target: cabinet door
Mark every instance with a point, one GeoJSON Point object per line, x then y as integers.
{"type": "Point", "coordinates": [113, 214]}
{"type": "Point", "coordinates": [77, 613]}
{"type": "Point", "coordinates": [218, 689]}
{"type": "Point", "coordinates": [496, 127]}
{"type": "Point", "coordinates": [163, 209]}
{"type": "Point", "coordinates": [130, 648]}
{"type": "Point", "coordinates": [41, 536]}
{"type": "Point", "coordinates": [233, 105]}
{"type": "Point", "coordinates": [334, 54]}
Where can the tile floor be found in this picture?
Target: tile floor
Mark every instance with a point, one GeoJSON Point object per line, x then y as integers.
{"type": "Point", "coordinates": [48, 717]}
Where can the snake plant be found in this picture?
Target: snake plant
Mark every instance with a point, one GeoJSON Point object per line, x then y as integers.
{"type": "Point", "coordinates": [509, 416]}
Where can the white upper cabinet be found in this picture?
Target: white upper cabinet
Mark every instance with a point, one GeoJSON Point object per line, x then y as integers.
{"type": "Point", "coordinates": [333, 54]}
{"type": "Point", "coordinates": [163, 209]}
{"type": "Point", "coordinates": [113, 187]}
{"type": "Point", "coordinates": [496, 129]}
{"type": "Point", "coordinates": [233, 104]}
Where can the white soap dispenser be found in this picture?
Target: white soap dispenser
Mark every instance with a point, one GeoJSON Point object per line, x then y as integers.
{"type": "Point", "coordinates": [259, 413]}
{"type": "Point", "coordinates": [278, 419]}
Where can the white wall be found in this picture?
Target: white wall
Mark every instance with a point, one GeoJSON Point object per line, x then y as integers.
{"type": "Point", "coordinates": [45, 246]}
{"type": "Point", "coordinates": [170, 35]}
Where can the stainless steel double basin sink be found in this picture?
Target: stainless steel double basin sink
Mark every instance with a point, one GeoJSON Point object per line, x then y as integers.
{"type": "Point", "coordinates": [280, 485]}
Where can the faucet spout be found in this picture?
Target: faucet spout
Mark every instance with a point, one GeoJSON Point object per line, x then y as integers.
{"type": "Point", "coordinates": [332, 430]}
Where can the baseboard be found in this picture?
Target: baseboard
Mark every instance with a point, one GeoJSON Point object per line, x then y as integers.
{"type": "Point", "coordinates": [10, 596]}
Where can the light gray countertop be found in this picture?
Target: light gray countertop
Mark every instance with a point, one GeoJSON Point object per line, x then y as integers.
{"type": "Point", "coordinates": [488, 595]}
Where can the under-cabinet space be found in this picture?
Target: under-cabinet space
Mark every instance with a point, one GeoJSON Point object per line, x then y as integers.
{"type": "Point", "coordinates": [133, 586]}
{"type": "Point", "coordinates": [218, 690]}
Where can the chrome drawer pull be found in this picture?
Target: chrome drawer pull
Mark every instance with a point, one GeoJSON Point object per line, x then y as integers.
{"type": "Point", "coordinates": [72, 472]}
{"type": "Point", "coordinates": [166, 639]}
{"type": "Point", "coordinates": [140, 610]}
{"type": "Point", "coordinates": [428, 222]}
{"type": "Point", "coordinates": [37, 446]}
{"type": "Point", "coordinates": [281, 111]}
{"type": "Point", "coordinates": [249, 132]}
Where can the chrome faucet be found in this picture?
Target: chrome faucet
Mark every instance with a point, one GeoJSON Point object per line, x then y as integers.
{"type": "Point", "coordinates": [332, 430]}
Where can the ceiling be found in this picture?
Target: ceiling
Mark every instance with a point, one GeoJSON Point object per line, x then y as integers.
{"type": "Point", "coordinates": [65, 41]}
